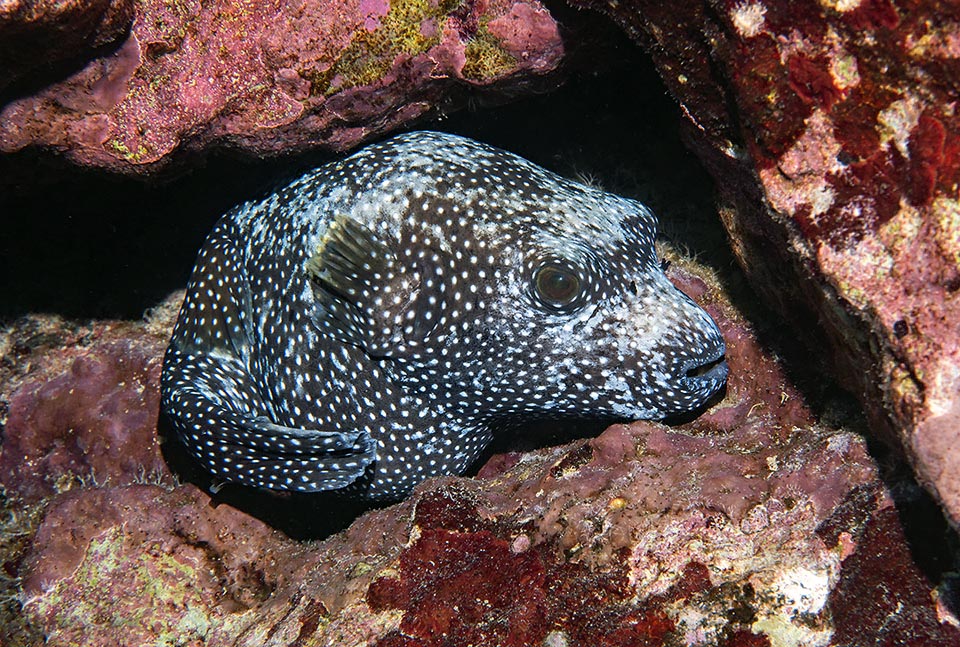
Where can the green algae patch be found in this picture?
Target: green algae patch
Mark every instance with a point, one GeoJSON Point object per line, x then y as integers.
{"type": "Point", "coordinates": [125, 152]}
{"type": "Point", "coordinates": [371, 54]}
{"type": "Point", "coordinates": [486, 58]}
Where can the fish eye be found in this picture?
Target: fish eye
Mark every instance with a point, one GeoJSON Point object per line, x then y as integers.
{"type": "Point", "coordinates": [557, 285]}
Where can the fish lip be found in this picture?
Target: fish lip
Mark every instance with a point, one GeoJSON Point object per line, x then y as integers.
{"type": "Point", "coordinates": [714, 371]}
{"type": "Point", "coordinates": [709, 368]}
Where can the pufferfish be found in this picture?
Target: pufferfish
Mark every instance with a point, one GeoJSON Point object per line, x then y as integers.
{"type": "Point", "coordinates": [372, 323]}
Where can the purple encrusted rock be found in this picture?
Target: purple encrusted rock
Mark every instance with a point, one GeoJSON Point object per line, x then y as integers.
{"type": "Point", "coordinates": [84, 410]}
{"type": "Point", "coordinates": [276, 78]}
{"type": "Point", "coordinates": [751, 526]}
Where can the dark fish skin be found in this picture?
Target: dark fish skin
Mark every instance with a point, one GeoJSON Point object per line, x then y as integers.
{"type": "Point", "coordinates": [369, 324]}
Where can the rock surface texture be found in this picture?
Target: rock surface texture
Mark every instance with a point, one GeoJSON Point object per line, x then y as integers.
{"type": "Point", "coordinates": [751, 526]}
{"type": "Point", "coordinates": [833, 132]}
{"type": "Point", "coordinates": [48, 33]}
{"type": "Point", "coordinates": [81, 404]}
{"type": "Point", "coordinates": [260, 77]}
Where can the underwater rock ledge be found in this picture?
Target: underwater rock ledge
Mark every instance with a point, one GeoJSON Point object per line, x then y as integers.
{"type": "Point", "coordinates": [752, 525]}
{"type": "Point", "coordinates": [271, 78]}
{"type": "Point", "coordinates": [832, 133]}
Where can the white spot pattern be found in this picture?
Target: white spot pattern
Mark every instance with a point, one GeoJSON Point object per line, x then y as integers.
{"type": "Point", "coordinates": [265, 387]}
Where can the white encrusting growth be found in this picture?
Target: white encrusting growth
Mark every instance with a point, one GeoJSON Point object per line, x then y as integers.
{"type": "Point", "coordinates": [368, 325]}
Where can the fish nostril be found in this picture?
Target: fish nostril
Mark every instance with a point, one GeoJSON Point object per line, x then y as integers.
{"type": "Point", "coordinates": [706, 369]}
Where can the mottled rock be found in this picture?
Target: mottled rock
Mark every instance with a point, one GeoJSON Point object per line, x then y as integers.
{"type": "Point", "coordinates": [832, 131]}
{"type": "Point", "coordinates": [81, 403]}
{"type": "Point", "coordinates": [749, 526]}
{"type": "Point", "coordinates": [158, 563]}
{"type": "Point", "coordinates": [271, 78]}
{"type": "Point", "coordinates": [555, 549]}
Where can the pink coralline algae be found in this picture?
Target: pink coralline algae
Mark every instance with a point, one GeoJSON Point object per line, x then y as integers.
{"type": "Point", "coordinates": [271, 78]}
{"type": "Point", "coordinates": [38, 34]}
{"type": "Point", "coordinates": [85, 411]}
{"type": "Point", "coordinates": [751, 526]}
{"type": "Point", "coordinates": [832, 131]}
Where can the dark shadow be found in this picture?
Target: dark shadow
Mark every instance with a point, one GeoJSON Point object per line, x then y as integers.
{"type": "Point", "coordinates": [87, 245]}
{"type": "Point", "coordinates": [524, 436]}
{"type": "Point", "coordinates": [37, 77]}
{"type": "Point", "coordinates": [934, 544]}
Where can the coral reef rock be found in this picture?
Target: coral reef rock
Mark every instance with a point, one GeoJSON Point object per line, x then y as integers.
{"type": "Point", "coordinates": [832, 130]}
{"type": "Point", "coordinates": [48, 33]}
{"type": "Point", "coordinates": [81, 403]}
{"type": "Point", "coordinates": [749, 526]}
{"type": "Point", "coordinates": [270, 78]}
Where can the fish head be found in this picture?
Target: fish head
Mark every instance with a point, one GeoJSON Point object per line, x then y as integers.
{"type": "Point", "coordinates": [576, 317]}
{"type": "Point", "coordinates": [489, 286]}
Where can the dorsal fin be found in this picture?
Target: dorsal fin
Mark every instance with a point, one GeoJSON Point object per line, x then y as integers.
{"type": "Point", "coordinates": [350, 270]}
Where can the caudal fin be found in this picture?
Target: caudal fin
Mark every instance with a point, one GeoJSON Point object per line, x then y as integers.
{"type": "Point", "coordinates": [222, 420]}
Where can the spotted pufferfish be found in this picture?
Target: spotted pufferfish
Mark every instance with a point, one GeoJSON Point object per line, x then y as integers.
{"type": "Point", "coordinates": [371, 324]}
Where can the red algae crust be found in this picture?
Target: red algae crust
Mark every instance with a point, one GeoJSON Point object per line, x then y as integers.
{"type": "Point", "coordinates": [832, 130]}
{"type": "Point", "coordinates": [267, 78]}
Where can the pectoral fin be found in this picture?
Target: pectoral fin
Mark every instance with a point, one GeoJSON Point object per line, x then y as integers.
{"type": "Point", "coordinates": [365, 296]}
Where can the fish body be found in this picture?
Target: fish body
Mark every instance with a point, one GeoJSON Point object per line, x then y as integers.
{"type": "Point", "coordinates": [371, 323]}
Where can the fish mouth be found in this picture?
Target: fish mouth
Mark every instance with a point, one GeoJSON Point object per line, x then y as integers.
{"type": "Point", "coordinates": [714, 369]}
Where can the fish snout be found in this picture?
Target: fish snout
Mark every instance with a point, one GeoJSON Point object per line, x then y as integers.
{"type": "Point", "coordinates": [696, 363]}
{"type": "Point", "coordinates": [701, 369]}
